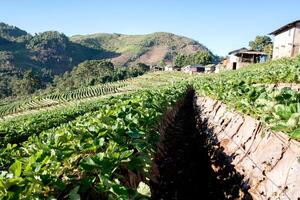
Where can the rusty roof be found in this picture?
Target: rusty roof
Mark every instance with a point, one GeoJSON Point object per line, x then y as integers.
{"type": "Point", "coordinates": [285, 27]}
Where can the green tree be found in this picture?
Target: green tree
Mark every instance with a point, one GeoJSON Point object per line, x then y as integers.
{"type": "Point", "coordinates": [92, 72]}
{"type": "Point", "coordinates": [180, 60]}
{"type": "Point", "coordinates": [268, 50]}
{"type": "Point", "coordinates": [200, 57]}
{"type": "Point", "coordinates": [260, 43]}
{"type": "Point", "coordinates": [143, 67]}
{"type": "Point", "coordinates": [28, 85]}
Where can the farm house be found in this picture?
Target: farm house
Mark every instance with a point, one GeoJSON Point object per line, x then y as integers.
{"type": "Point", "coordinates": [287, 40]}
{"type": "Point", "coordinates": [242, 57]}
{"type": "Point", "coordinates": [193, 69]}
{"type": "Point", "coordinates": [172, 68]}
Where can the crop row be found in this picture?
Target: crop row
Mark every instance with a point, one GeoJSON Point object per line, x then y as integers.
{"type": "Point", "coordinates": [57, 98]}
{"type": "Point", "coordinates": [277, 108]}
{"type": "Point", "coordinates": [104, 154]}
{"type": "Point", "coordinates": [19, 129]}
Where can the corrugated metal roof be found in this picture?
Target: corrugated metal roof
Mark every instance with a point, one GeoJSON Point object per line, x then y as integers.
{"type": "Point", "coordinates": [285, 27]}
{"type": "Point", "coordinates": [238, 51]}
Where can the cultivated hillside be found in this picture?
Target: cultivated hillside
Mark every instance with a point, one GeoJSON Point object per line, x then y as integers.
{"type": "Point", "coordinates": [149, 49]}
{"type": "Point", "coordinates": [52, 53]}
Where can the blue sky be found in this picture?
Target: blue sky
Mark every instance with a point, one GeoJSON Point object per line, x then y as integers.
{"type": "Point", "coordinates": [221, 25]}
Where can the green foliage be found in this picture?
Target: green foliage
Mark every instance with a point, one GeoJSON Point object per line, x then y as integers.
{"type": "Point", "coordinates": [27, 85]}
{"type": "Point", "coordinates": [49, 40]}
{"type": "Point", "coordinates": [261, 43]}
{"type": "Point", "coordinates": [88, 156]}
{"type": "Point", "coordinates": [93, 72]}
{"type": "Point", "coordinates": [13, 33]}
{"type": "Point", "coordinates": [247, 90]}
{"type": "Point", "coordinates": [134, 46]}
{"type": "Point", "coordinates": [201, 57]}
{"type": "Point", "coordinates": [55, 53]}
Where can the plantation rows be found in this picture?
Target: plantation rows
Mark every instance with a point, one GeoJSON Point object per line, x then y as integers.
{"type": "Point", "coordinates": [57, 98]}
{"type": "Point", "coordinates": [103, 148]}
{"type": "Point", "coordinates": [146, 81]}
{"type": "Point", "coordinates": [19, 129]}
{"type": "Point", "coordinates": [247, 91]}
{"type": "Point", "coordinates": [103, 154]}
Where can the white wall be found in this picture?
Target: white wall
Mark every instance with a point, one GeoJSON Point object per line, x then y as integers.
{"type": "Point", "coordinates": [283, 44]}
{"type": "Point", "coordinates": [232, 59]}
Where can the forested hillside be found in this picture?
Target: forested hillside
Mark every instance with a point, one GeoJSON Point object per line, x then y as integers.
{"type": "Point", "coordinates": [150, 49]}
{"type": "Point", "coordinates": [32, 62]}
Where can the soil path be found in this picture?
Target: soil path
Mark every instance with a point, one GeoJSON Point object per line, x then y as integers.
{"type": "Point", "coordinates": [187, 167]}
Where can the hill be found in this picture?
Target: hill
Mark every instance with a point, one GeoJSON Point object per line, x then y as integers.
{"type": "Point", "coordinates": [53, 53]}
{"type": "Point", "coordinates": [150, 49]}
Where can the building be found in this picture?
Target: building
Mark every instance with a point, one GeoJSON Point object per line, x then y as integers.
{"type": "Point", "coordinates": [287, 40]}
{"type": "Point", "coordinates": [210, 68]}
{"type": "Point", "coordinates": [242, 57]}
{"type": "Point", "coordinates": [155, 68]}
{"type": "Point", "coordinates": [194, 69]}
{"type": "Point", "coordinates": [172, 68]}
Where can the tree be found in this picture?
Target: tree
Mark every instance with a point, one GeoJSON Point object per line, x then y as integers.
{"type": "Point", "coordinates": [28, 85]}
{"type": "Point", "coordinates": [200, 57]}
{"type": "Point", "coordinates": [180, 60]}
{"type": "Point", "coordinates": [162, 64]}
{"type": "Point", "coordinates": [92, 72]}
{"type": "Point", "coordinates": [261, 43]}
{"type": "Point", "coordinates": [268, 50]}
{"type": "Point", "coordinates": [143, 67]}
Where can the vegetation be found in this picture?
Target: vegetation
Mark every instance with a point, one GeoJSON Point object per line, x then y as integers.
{"type": "Point", "coordinates": [94, 132]}
{"type": "Point", "coordinates": [156, 46]}
{"type": "Point", "coordinates": [50, 54]}
{"type": "Point", "coordinates": [104, 147]}
{"type": "Point", "coordinates": [262, 43]}
{"type": "Point", "coordinates": [12, 33]}
{"type": "Point", "coordinates": [248, 91]}
{"type": "Point", "coordinates": [93, 72]}
{"type": "Point", "coordinates": [202, 58]}
{"type": "Point", "coordinates": [94, 154]}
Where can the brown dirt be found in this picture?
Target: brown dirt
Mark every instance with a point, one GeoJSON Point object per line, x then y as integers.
{"type": "Point", "coordinates": [187, 166]}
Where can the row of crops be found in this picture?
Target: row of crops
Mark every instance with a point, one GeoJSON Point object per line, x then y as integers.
{"type": "Point", "coordinates": [58, 98]}
{"type": "Point", "coordinates": [103, 148]}
{"type": "Point", "coordinates": [247, 91]}
{"type": "Point", "coordinates": [18, 129]}
{"type": "Point", "coordinates": [50, 100]}
{"type": "Point", "coordinates": [105, 154]}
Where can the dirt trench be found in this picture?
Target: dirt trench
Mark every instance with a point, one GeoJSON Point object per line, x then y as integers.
{"type": "Point", "coordinates": [188, 166]}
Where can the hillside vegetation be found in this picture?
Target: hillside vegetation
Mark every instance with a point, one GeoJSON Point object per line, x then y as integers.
{"type": "Point", "coordinates": [49, 54]}
{"type": "Point", "coordinates": [149, 49]}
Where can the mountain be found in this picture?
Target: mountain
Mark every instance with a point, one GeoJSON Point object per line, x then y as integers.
{"type": "Point", "coordinates": [12, 33]}
{"type": "Point", "coordinates": [149, 49]}
{"type": "Point", "coordinates": [52, 53]}
{"type": "Point", "coordinates": [49, 50]}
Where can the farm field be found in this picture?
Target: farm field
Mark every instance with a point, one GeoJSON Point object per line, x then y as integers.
{"type": "Point", "coordinates": [119, 140]}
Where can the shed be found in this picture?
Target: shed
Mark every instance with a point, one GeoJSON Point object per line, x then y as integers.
{"type": "Point", "coordinates": [242, 57]}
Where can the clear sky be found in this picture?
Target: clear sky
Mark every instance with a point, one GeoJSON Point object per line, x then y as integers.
{"type": "Point", "coordinates": [221, 25]}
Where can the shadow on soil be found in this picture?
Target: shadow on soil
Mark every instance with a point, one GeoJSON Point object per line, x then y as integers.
{"type": "Point", "coordinates": [189, 165]}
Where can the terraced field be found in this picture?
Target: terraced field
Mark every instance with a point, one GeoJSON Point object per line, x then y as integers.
{"type": "Point", "coordinates": [132, 139]}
